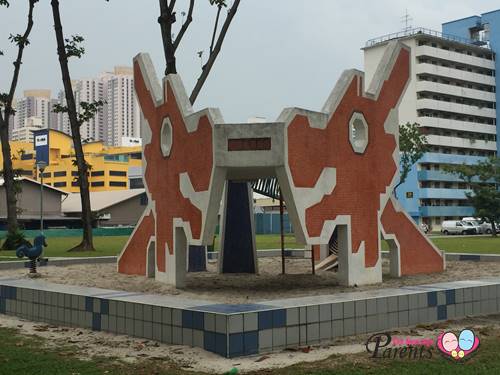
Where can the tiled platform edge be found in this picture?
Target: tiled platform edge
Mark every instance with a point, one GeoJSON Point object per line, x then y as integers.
{"type": "Point", "coordinates": [246, 329]}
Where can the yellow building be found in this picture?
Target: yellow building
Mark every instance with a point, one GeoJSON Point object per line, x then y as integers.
{"type": "Point", "coordinates": [109, 166]}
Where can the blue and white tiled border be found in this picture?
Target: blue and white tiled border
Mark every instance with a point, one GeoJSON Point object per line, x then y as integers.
{"type": "Point", "coordinates": [246, 329]}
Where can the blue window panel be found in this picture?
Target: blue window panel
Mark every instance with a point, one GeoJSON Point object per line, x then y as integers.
{"type": "Point", "coordinates": [235, 344]}
{"type": "Point", "coordinates": [232, 308]}
{"type": "Point", "coordinates": [450, 296]}
{"type": "Point", "coordinates": [89, 304]}
{"type": "Point", "coordinates": [198, 320]}
{"type": "Point", "coordinates": [2, 305]}
{"type": "Point", "coordinates": [104, 306]}
{"type": "Point", "coordinates": [209, 341]}
{"type": "Point", "coordinates": [442, 312]}
{"type": "Point", "coordinates": [432, 299]}
{"type": "Point", "coordinates": [187, 319]}
{"type": "Point", "coordinates": [221, 344]}
{"type": "Point", "coordinates": [96, 321]}
{"type": "Point", "coordinates": [265, 320]}
{"type": "Point", "coordinates": [251, 342]}
{"type": "Point", "coordinates": [279, 318]}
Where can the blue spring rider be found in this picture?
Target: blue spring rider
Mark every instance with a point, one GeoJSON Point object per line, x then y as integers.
{"type": "Point", "coordinates": [33, 253]}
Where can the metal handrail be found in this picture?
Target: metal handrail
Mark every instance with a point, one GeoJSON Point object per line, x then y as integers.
{"type": "Point", "coordinates": [423, 30]}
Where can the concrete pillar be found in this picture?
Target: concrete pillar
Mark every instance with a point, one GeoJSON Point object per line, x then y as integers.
{"type": "Point", "coordinates": [394, 258]}
{"type": "Point", "coordinates": [238, 253]}
{"type": "Point", "coordinates": [177, 262]}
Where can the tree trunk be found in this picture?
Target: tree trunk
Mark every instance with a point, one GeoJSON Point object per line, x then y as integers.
{"type": "Point", "coordinates": [8, 171]}
{"type": "Point", "coordinates": [87, 240]}
{"type": "Point", "coordinates": [8, 176]}
{"type": "Point", "coordinates": [493, 227]}
{"type": "Point", "coordinates": [166, 19]}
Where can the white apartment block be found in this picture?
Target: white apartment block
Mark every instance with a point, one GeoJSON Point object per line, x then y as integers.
{"type": "Point", "coordinates": [35, 103]}
{"type": "Point", "coordinates": [119, 117]}
{"type": "Point", "coordinates": [25, 133]}
{"type": "Point", "coordinates": [123, 112]}
{"type": "Point", "coordinates": [451, 94]}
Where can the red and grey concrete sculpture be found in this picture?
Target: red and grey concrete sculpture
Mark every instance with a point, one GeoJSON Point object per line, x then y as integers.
{"type": "Point", "coordinates": [336, 168]}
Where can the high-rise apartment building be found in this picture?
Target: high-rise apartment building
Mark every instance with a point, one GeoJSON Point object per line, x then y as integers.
{"type": "Point", "coordinates": [483, 30]}
{"type": "Point", "coordinates": [119, 116]}
{"type": "Point", "coordinates": [25, 133]}
{"type": "Point", "coordinates": [452, 95]}
{"type": "Point", "coordinates": [123, 113]}
{"type": "Point", "coordinates": [35, 103]}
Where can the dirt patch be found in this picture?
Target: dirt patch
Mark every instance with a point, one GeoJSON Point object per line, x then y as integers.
{"type": "Point", "coordinates": [242, 288]}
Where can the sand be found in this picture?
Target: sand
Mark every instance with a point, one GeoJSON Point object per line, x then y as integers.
{"type": "Point", "coordinates": [242, 288]}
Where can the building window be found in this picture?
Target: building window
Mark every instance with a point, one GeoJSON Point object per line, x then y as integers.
{"type": "Point", "coordinates": [97, 173]}
{"type": "Point", "coordinates": [118, 173]}
{"type": "Point", "coordinates": [144, 199]}
{"type": "Point", "coordinates": [59, 184]}
{"type": "Point", "coordinates": [75, 184]}
{"type": "Point", "coordinates": [26, 156]}
{"type": "Point", "coordinates": [118, 183]}
{"type": "Point", "coordinates": [60, 174]}
{"type": "Point", "coordinates": [74, 173]}
{"type": "Point", "coordinates": [97, 183]}
{"type": "Point", "coordinates": [136, 183]}
{"type": "Point", "coordinates": [45, 174]}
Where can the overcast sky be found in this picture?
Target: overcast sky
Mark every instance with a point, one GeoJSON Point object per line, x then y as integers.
{"type": "Point", "coordinates": [278, 53]}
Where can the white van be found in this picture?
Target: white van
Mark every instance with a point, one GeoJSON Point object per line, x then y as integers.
{"type": "Point", "coordinates": [457, 227]}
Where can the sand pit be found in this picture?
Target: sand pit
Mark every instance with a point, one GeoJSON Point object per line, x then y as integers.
{"type": "Point", "coordinates": [242, 288]}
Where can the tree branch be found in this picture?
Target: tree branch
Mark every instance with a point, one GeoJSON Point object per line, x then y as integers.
{"type": "Point", "coordinates": [171, 6]}
{"type": "Point", "coordinates": [185, 25]}
{"type": "Point", "coordinates": [215, 28]}
{"type": "Point", "coordinates": [214, 53]}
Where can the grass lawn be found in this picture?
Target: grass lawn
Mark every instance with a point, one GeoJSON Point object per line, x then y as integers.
{"type": "Point", "coordinates": [478, 245]}
{"type": "Point", "coordinates": [58, 246]}
{"type": "Point", "coordinates": [28, 355]}
{"type": "Point", "coordinates": [112, 245]}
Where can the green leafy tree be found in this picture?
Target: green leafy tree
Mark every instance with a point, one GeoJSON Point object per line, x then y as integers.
{"type": "Point", "coordinates": [6, 111]}
{"type": "Point", "coordinates": [412, 146]}
{"type": "Point", "coordinates": [67, 48]}
{"type": "Point", "coordinates": [484, 181]}
{"type": "Point", "coordinates": [171, 42]}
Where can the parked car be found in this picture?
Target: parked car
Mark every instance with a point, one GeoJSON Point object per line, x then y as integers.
{"type": "Point", "coordinates": [457, 227]}
{"type": "Point", "coordinates": [473, 224]}
{"type": "Point", "coordinates": [484, 225]}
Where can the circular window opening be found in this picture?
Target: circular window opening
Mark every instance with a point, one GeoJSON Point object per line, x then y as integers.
{"type": "Point", "coordinates": [166, 137]}
{"type": "Point", "coordinates": [358, 132]}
